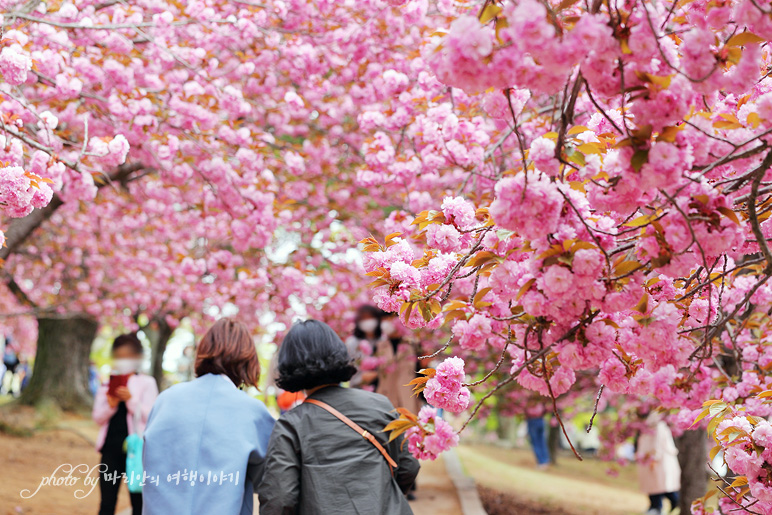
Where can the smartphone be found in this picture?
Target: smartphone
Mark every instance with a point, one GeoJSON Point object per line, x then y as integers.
{"type": "Point", "coordinates": [116, 381]}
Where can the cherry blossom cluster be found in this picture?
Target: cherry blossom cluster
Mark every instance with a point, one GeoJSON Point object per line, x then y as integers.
{"type": "Point", "coordinates": [22, 191]}
{"type": "Point", "coordinates": [431, 435]}
{"type": "Point", "coordinates": [445, 389]}
{"type": "Point", "coordinates": [744, 442]}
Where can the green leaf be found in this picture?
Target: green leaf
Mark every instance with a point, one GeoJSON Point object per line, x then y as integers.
{"type": "Point", "coordinates": [729, 213]}
{"type": "Point", "coordinates": [576, 157]}
{"type": "Point", "coordinates": [717, 408]}
{"type": "Point", "coordinates": [700, 417]}
{"type": "Point", "coordinates": [490, 12]}
{"type": "Point", "coordinates": [577, 129]}
{"type": "Point", "coordinates": [640, 158]}
{"type": "Point", "coordinates": [426, 311]}
{"type": "Point", "coordinates": [744, 38]}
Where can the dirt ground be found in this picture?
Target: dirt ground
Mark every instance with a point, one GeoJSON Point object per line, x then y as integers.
{"type": "Point", "coordinates": [27, 462]}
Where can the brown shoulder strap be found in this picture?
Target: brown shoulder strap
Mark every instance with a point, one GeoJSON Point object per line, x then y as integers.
{"type": "Point", "coordinates": [356, 427]}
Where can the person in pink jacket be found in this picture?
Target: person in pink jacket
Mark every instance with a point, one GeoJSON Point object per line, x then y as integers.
{"type": "Point", "coordinates": [121, 411]}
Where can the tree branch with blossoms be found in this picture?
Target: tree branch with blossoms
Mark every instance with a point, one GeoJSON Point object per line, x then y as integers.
{"type": "Point", "coordinates": [623, 228]}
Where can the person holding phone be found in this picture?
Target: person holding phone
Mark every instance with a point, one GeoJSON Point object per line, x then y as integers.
{"type": "Point", "coordinates": [121, 407]}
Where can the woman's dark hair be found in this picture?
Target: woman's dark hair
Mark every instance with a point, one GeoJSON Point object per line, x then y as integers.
{"type": "Point", "coordinates": [312, 355]}
{"type": "Point", "coordinates": [128, 340]}
{"type": "Point", "coordinates": [367, 311]}
{"type": "Point", "coordinates": [227, 348]}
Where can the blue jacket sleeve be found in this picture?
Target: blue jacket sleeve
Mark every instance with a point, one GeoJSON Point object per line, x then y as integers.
{"type": "Point", "coordinates": [256, 463]}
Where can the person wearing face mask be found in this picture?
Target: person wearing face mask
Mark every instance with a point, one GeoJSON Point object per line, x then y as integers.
{"type": "Point", "coordinates": [396, 364]}
{"type": "Point", "coordinates": [361, 346]}
{"type": "Point", "coordinates": [121, 411]}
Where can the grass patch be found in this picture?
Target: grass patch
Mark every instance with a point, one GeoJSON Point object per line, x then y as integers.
{"type": "Point", "coordinates": [569, 488]}
{"type": "Point", "coordinates": [20, 420]}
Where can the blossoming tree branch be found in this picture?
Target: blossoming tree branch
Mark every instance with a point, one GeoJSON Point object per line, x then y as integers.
{"type": "Point", "coordinates": [611, 211]}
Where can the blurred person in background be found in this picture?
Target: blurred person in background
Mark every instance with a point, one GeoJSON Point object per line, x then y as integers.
{"type": "Point", "coordinates": [120, 411]}
{"type": "Point", "coordinates": [537, 431]}
{"type": "Point", "coordinates": [93, 378]}
{"type": "Point", "coordinates": [185, 365]}
{"type": "Point", "coordinates": [287, 400]}
{"type": "Point", "coordinates": [397, 364]}
{"type": "Point", "coordinates": [24, 372]}
{"type": "Point", "coordinates": [659, 472]}
{"type": "Point", "coordinates": [10, 364]}
{"type": "Point", "coordinates": [361, 346]}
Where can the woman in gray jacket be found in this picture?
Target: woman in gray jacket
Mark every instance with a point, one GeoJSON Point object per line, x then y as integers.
{"type": "Point", "coordinates": [329, 455]}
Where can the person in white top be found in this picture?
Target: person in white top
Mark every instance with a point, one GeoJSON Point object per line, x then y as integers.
{"type": "Point", "coordinates": [659, 472]}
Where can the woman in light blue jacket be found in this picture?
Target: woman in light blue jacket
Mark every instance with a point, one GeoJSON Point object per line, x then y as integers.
{"type": "Point", "coordinates": [206, 440]}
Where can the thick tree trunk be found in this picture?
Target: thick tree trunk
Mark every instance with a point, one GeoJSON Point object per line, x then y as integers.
{"type": "Point", "coordinates": [553, 442]}
{"type": "Point", "coordinates": [160, 335]}
{"type": "Point", "coordinates": [693, 457]}
{"type": "Point", "coordinates": [502, 428]}
{"type": "Point", "coordinates": [61, 367]}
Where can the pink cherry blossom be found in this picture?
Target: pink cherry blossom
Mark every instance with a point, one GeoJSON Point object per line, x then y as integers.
{"type": "Point", "coordinates": [431, 436]}
{"type": "Point", "coordinates": [528, 204]}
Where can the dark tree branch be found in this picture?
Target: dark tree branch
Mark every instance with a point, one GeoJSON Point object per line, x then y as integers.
{"type": "Point", "coordinates": [20, 229]}
{"type": "Point", "coordinates": [753, 216]}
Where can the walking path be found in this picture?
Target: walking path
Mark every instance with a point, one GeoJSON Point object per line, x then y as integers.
{"type": "Point", "coordinates": [436, 492]}
{"type": "Point", "coordinates": [466, 488]}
